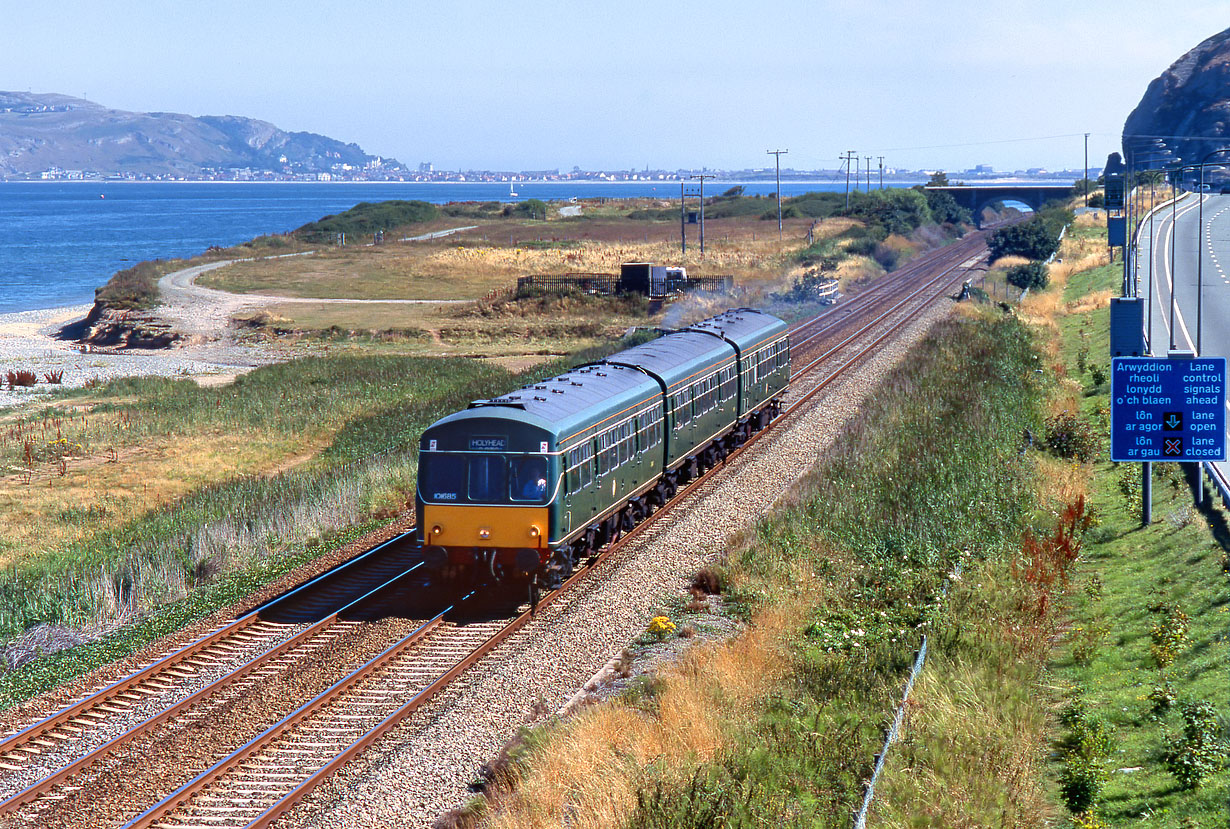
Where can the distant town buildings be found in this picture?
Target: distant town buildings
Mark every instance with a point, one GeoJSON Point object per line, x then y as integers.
{"type": "Point", "coordinates": [378, 169]}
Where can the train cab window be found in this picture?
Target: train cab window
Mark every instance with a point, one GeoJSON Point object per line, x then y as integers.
{"type": "Point", "coordinates": [487, 478]}
{"type": "Point", "coordinates": [528, 479]}
{"type": "Point", "coordinates": [442, 477]}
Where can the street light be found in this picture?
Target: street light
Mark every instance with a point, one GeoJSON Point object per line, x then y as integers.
{"type": "Point", "coordinates": [1200, 247]}
{"type": "Point", "coordinates": [1134, 259]}
{"type": "Point", "coordinates": [1174, 207]}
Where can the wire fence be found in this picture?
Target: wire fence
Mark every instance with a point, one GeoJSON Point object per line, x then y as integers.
{"type": "Point", "coordinates": [894, 730]}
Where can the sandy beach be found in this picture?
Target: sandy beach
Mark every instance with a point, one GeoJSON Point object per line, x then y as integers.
{"type": "Point", "coordinates": [28, 342]}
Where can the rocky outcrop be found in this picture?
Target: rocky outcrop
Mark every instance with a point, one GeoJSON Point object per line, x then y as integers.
{"type": "Point", "coordinates": [1188, 107]}
{"type": "Point", "coordinates": [114, 329]}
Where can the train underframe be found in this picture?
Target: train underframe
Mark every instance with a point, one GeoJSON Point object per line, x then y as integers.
{"type": "Point", "coordinates": [525, 567]}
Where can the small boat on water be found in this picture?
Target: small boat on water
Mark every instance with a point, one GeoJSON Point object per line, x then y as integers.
{"type": "Point", "coordinates": [511, 192]}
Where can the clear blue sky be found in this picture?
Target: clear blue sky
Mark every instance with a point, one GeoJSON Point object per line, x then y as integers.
{"type": "Point", "coordinates": [549, 83]}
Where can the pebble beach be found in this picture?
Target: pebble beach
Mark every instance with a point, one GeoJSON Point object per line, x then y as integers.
{"type": "Point", "coordinates": [29, 342]}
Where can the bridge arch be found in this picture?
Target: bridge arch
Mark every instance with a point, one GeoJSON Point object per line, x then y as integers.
{"type": "Point", "coordinates": [978, 196]}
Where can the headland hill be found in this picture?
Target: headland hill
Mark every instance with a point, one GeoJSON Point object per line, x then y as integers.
{"type": "Point", "coordinates": [54, 137]}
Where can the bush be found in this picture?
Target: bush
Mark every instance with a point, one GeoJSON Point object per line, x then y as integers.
{"type": "Point", "coordinates": [368, 217]}
{"type": "Point", "coordinates": [945, 210]}
{"type": "Point", "coordinates": [132, 288]}
{"type": "Point", "coordinates": [1197, 754]}
{"type": "Point", "coordinates": [1036, 239]}
{"type": "Point", "coordinates": [1086, 749]}
{"type": "Point", "coordinates": [894, 211]}
{"type": "Point", "coordinates": [1031, 275]}
{"type": "Point", "coordinates": [1070, 436]}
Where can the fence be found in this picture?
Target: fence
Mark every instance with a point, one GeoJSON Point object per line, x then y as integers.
{"type": "Point", "coordinates": [606, 284]}
{"type": "Point", "coordinates": [894, 730]}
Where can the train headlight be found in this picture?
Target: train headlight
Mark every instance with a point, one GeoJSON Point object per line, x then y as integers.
{"type": "Point", "coordinates": [535, 532]}
{"type": "Point", "coordinates": [437, 529]}
{"type": "Point", "coordinates": [484, 533]}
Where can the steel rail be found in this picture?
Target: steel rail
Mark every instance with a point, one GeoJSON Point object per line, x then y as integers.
{"type": "Point", "coordinates": [75, 714]}
{"type": "Point", "coordinates": [49, 783]}
{"type": "Point", "coordinates": [183, 796]}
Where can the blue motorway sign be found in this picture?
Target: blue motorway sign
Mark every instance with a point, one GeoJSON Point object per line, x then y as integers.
{"type": "Point", "coordinates": [1168, 409]}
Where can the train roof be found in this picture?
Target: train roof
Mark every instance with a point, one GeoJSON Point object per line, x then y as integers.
{"type": "Point", "coordinates": [745, 328]}
{"type": "Point", "coordinates": [567, 403]}
{"type": "Point", "coordinates": [677, 357]}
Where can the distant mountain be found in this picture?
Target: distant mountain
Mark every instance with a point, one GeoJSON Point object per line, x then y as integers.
{"type": "Point", "coordinates": [1188, 107]}
{"type": "Point", "coordinates": [39, 133]}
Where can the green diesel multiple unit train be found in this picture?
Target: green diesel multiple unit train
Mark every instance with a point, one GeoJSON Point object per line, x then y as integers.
{"type": "Point", "coordinates": [526, 485]}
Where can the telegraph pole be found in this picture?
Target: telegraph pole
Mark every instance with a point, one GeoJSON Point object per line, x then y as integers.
{"type": "Point", "coordinates": [881, 172]}
{"type": "Point", "coordinates": [778, 154]}
{"type": "Point", "coordinates": [868, 173]}
{"type": "Point", "coordinates": [702, 178]}
{"type": "Point", "coordinates": [683, 223]}
{"type": "Point", "coordinates": [1086, 182]}
{"type": "Point", "coordinates": [849, 156]}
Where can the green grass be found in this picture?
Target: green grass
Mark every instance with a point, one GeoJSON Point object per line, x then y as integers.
{"type": "Point", "coordinates": [930, 473]}
{"type": "Point", "coordinates": [1178, 560]}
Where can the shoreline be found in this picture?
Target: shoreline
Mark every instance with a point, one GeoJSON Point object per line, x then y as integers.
{"type": "Point", "coordinates": [28, 342]}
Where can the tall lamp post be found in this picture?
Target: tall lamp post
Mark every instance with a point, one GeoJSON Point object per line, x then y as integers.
{"type": "Point", "coordinates": [1176, 181]}
{"type": "Point", "coordinates": [1200, 247]}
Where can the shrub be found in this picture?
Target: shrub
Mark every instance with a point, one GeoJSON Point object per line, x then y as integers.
{"type": "Point", "coordinates": [1169, 634]}
{"type": "Point", "coordinates": [21, 378]}
{"type": "Point", "coordinates": [1031, 275]}
{"type": "Point", "coordinates": [1196, 754]}
{"type": "Point", "coordinates": [132, 288]}
{"type": "Point", "coordinates": [1037, 238]}
{"type": "Point", "coordinates": [1086, 749]}
{"type": "Point", "coordinates": [886, 256]}
{"type": "Point", "coordinates": [1129, 486]}
{"type": "Point", "coordinates": [368, 217]}
{"type": "Point", "coordinates": [1070, 436]}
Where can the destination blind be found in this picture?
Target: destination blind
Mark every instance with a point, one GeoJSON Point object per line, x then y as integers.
{"type": "Point", "coordinates": [1168, 409]}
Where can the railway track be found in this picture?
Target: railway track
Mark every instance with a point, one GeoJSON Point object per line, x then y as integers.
{"type": "Point", "coordinates": [272, 771]}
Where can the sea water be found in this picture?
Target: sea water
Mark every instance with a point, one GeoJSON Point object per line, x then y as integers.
{"type": "Point", "coordinates": [59, 241]}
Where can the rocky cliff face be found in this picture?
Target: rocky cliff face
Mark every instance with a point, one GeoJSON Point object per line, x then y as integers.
{"type": "Point", "coordinates": [40, 132]}
{"type": "Point", "coordinates": [1188, 107]}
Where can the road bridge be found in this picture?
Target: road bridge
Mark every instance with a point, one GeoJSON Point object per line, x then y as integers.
{"type": "Point", "coordinates": [975, 197]}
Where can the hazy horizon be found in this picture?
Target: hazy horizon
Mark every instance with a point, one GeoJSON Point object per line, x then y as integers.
{"type": "Point", "coordinates": [521, 86]}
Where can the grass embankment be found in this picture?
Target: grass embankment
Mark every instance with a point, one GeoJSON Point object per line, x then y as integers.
{"type": "Point", "coordinates": [1151, 617]}
{"type": "Point", "coordinates": [146, 491]}
{"type": "Point", "coordinates": [780, 725]}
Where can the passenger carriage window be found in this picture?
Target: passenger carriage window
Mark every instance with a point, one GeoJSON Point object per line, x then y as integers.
{"type": "Point", "coordinates": [622, 435]}
{"type": "Point", "coordinates": [573, 477]}
{"type": "Point", "coordinates": [487, 478]}
{"type": "Point", "coordinates": [587, 465]}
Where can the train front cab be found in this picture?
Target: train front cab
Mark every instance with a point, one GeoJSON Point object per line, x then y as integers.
{"type": "Point", "coordinates": [487, 482]}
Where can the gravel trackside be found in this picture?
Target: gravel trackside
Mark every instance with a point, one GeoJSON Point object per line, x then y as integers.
{"type": "Point", "coordinates": [422, 768]}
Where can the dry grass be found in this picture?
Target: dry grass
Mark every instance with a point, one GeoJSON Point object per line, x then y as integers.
{"type": "Point", "coordinates": [99, 490]}
{"type": "Point", "coordinates": [1061, 482]}
{"type": "Point", "coordinates": [984, 741]}
{"type": "Point", "coordinates": [591, 774]}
